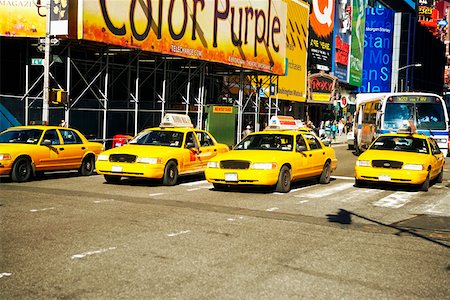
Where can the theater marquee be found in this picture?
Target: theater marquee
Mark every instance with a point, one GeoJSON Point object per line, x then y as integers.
{"type": "Point", "coordinates": [251, 34]}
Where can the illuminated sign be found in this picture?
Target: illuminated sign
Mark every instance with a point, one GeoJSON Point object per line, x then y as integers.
{"type": "Point", "coordinates": [223, 109]}
{"type": "Point", "coordinates": [249, 34]}
{"type": "Point", "coordinates": [22, 18]}
{"type": "Point", "coordinates": [425, 10]}
{"type": "Point", "coordinates": [321, 87]}
{"type": "Point", "coordinates": [378, 45]}
{"type": "Point", "coordinates": [414, 99]}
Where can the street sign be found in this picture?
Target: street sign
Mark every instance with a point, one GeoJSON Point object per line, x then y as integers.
{"type": "Point", "coordinates": [442, 23]}
{"type": "Point", "coordinates": [37, 61]}
{"type": "Point", "coordinates": [53, 41]}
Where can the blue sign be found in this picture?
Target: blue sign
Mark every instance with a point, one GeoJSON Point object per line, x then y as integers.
{"type": "Point", "coordinates": [442, 23]}
{"type": "Point", "coordinates": [378, 39]}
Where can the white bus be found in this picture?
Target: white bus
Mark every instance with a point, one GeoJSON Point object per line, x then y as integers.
{"type": "Point", "coordinates": [378, 113]}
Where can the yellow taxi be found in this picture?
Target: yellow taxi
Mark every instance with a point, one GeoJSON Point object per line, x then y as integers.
{"type": "Point", "coordinates": [274, 157]}
{"type": "Point", "coordinates": [403, 157]}
{"type": "Point", "coordinates": [165, 152]}
{"type": "Point", "coordinates": [28, 150]}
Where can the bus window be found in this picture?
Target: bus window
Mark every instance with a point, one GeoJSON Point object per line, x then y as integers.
{"type": "Point", "coordinates": [430, 116]}
{"type": "Point", "coordinates": [366, 112]}
{"type": "Point", "coordinates": [396, 113]}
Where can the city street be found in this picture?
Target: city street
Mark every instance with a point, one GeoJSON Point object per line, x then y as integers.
{"type": "Point", "coordinates": [69, 237]}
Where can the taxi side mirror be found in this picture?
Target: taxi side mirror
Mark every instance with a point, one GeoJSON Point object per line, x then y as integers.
{"type": "Point", "coordinates": [46, 143]}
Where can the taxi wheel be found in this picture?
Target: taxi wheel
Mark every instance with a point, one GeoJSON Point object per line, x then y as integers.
{"type": "Point", "coordinates": [87, 166]}
{"type": "Point", "coordinates": [440, 177]}
{"type": "Point", "coordinates": [426, 184]}
{"type": "Point", "coordinates": [326, 174]}
{"type": "Point", "coordinates": [284, 180]}
{"type": "Point", "coordinates": [21, 170]}
{"type": "Point", "coordinates": [112, 178]}
{"type": "Point", "coordinates": [170, 173]}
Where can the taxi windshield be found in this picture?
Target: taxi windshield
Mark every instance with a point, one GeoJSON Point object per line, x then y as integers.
{"type": "Point", "coordinates": [404, 144]}
{"type": "Point", "coordinates": [159, 138]}
{"type": "Point", "coordinates": [281, 142]}
{"type": "Point", "coordinates": [21, 136]}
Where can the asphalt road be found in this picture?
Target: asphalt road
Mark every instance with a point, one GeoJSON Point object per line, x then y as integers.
{"type": "Point", "coordinates": [69, 237]}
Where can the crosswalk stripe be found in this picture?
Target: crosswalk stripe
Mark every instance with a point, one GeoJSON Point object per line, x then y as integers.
{"type": "Point", "coordinates": [395, 200]}
{"type": "Point", "coordinates": [194, 183]}
{"type": "Point", "coordinates": [327, 192]}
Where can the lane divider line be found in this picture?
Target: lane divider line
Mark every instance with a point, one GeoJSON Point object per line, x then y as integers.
{"type": "Point", "coordinates": [89, 253]}
{"type": "Point", "coordinates": [178, 233]}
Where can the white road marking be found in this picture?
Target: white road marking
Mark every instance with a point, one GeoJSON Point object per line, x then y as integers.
{"type": "Point", "coordinates": [103, 201]}
{"type": "Point", "coordinates": [343, 177]}
{"type": "Point", "coordinates": [272, 209]}
{"type": "Point", "coordinates": [194, 183]}
{"type": "Point", "coordinates": [41, 209]}
{"type": "Point", "coordinates": [84, 254]}
{"type": "Point", "coordinates": [395, 200]}
{"type": "Point", "coordinates": [327, 192]}
{"type": "Point", "coordinates": [178, 233]}
{"type": "Point", "coordinates": [5, 274]}
{"type": "Point", "coordinates": [302, 201]}
{"type": "Point", "coordinates": [199, 188]}
{"type": "Point", "coordinates": [155, 194]}
{"type": "Point", "coordinates": [233, 219]}
{"type": "Point", "coordinates": [294, 190]}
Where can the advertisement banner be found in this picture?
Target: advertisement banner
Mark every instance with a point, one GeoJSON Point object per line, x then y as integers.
{"type": "Point", "coordinates": [377, 67]}
{"type": "Point", "coordinates": [293, 85]}
{"type": "Point", "coordinates": [251, 34]}
{"type": "Point", "coordinates": [321, 24]}
{"type": "Point", "coordinates": [343, 32]}
{"type": "Point", "coordinates": [357, 42]}
{"type": "Point", "coordinates": [24, 18]}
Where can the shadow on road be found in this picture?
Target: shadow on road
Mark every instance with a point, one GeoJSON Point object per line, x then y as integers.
{"type": "Point", "coordinates": [345, 217]}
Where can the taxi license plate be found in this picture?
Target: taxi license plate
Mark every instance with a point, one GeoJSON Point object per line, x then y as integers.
{"type": "Point", "coordinates": [231, 177]}
{"type": "Point", "coordinates": [384, 178]}
{"type": "Point", "coordinates": [116, 169]}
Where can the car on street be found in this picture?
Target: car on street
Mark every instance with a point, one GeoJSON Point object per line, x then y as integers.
{"type": "Point", "coordinates": [274, 157]}
{"type": "Point", "coordinates": [404, 157]}
{"type": "Point", "coordinates": [26, 151]}
{"type": "Point", "coordinates": [351, 140]}
{"type": "Point", "coordinates": [174, 148]}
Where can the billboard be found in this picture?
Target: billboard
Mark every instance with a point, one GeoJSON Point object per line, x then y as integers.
{"type": "Point", "coordinates": [378, 46]}
{"type": "Point", "coordinates": [343, 32]}
{"type": "Point", "coordinates": [357, 43]}
{"type": "Point", "coordinates": [321, 24]}
{"type": "Point", "coordinates": [249, 34]}
{"type": "Point", "coordinates": [293, 85]}
{"type": "Point", "coordinates": [24, 18]}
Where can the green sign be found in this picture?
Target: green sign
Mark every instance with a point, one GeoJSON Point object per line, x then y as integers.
{"type": "Point", "coordinates": [37, 61]}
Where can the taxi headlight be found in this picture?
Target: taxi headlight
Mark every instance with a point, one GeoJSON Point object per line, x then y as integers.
{"type": "Point", "coordinates": [103, 157]}
{"type": "Point", "coordinates": [413, 167]}
{"type": "Point", "coordinates": [263, 166]}
{"type": "Point", "coordinates": [5, 156]}
{"type": "Point", "coordinates": [149, 160]}
{"type": "Point", "coordinates": [213, 164]}
{"type": "Point", "coordinates": [363, 163]}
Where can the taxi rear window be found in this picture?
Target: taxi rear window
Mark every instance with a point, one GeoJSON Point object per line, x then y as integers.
{"type": "Point", "coordinates": [159, 138]}
{"type": "Point", "coordinates": [279, 142]}
{"type": "Point", "coordinates": [405, 144]}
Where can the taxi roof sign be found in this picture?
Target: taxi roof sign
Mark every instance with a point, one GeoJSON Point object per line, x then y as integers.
{"type": "Point", "coordinates": [282, 123]}
{"type": "Point", "coordinates": [176, 120]}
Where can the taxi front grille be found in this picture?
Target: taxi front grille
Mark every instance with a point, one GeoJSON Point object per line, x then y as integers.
{"type": "Point", "coordinates": [234, 164]}
{"type": "Point", "coordinates": [388, 164]}
{"type": "Point", "coordinates": [126, 158]}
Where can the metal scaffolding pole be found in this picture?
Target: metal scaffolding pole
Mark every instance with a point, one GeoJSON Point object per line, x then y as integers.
{"type": "Point", "coordinates": [67, 107]}
{"type": "Point", "coordinates": [105, 106]}
{"type": "Point", "coordinates": [45, 104]}
{"type": "Point", "coordinates": [163, 98]}
{"type": "Point", "coordinates": [136, 100]}
{"type": "Point", "coordinates": [240, 101]}
{"type": "Point", "coordinates": [188, 89]}
{"type": "Point", "coordinates": [27, 90]}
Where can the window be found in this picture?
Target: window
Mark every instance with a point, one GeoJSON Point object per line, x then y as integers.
{"type": "Point", "coordinates": [190, 141]}
{"type": "Point", "coordinates": [52, 135]}
{"type": "Point", "coordinates": [26, 136]}
{"type": "Point", "coordinates": [301, 144]}
{"type": "Point", "coordinates": [70, 136]}
{"type": "Point", "coordinates": [205, 139]}
{"type": "Point", "coordinates": [312, 142]}
{"type": "Point", "coordinates": [159, 138]}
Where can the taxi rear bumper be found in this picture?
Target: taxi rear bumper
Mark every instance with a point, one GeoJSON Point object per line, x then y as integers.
{"type": "Point", "coordinates": [244, 177]}
{"type": "Point", "coordinates": [390, 175]}
{"type": "Point", "coordinates": [130, 169]}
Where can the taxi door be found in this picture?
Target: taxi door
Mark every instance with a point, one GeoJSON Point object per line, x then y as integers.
{"type": "Point", "coordinates": [207, 148]}
{"type": "Point", "coordinates": [72, 150]}
{"type": "Point", "coordinates": [191, 149]}
{"type": "Point", "coordinates": [316, 155]}
{"type": "Point", "coordinates": [438, 159]}
{"type": "Point", "coordinates": [300, 161]}
{"type": "Point", "coordinates": [49, 156]}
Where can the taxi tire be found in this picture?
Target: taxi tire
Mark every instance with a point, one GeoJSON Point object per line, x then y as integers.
{"type": "Point", "coordinates": [112, 178]}
{"type": "Point", "coordinates": [170, 173]}
{"type": "Point", "coordinates": [87, 166]}
{"type": "Point", "coordinates": [325, 177]}
{"type": "Point", "coordinates": [440, 177]}
{"type": "Point", "coordinates": [426, 184]}
{"type": "Point", "coordinates": [284, 180]}
{"type": "Point", "coordinates": [21, 170]}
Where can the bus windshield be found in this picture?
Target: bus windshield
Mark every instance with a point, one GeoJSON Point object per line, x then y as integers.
{"type": "Point", "coordinates": [425, 115]}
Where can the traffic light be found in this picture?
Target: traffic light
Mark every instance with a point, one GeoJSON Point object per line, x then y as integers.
{"type": "Point", "coordinates": [57, 97]}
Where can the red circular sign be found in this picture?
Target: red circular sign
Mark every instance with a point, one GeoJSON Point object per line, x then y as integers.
{"type": "Point", "coordinates": [343, 101]}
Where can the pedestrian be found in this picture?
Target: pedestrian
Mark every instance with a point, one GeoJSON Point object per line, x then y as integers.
{"type": "Point", "coordinates": [247, 131]}
{"type": "Point", "coordinates": [341, 126]}
{"type": "Point", "coordinates": [334, 130]}
{"type": "Point", "coordinates": [63, 123]}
